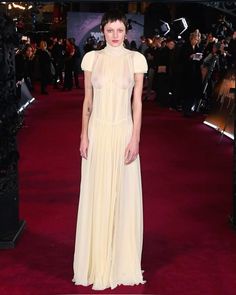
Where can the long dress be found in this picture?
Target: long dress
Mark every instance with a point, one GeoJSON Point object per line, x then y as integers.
{"type": "Point", "coordinates": [109, 232]}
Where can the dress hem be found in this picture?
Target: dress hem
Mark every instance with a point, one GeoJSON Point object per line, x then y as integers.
{"type": "Point", "coordinates": [85, 284]}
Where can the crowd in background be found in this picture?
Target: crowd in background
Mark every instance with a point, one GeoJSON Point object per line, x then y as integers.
{"type": "Point", "coordinates": [184, 73]}
{"type": "Point", "coordinates": [181, 73]}
{"type": "Point", "coordinates": [56, 61]}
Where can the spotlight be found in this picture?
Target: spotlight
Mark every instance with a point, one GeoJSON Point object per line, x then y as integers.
{"type": "Point", "coordinates": [18, 6]}
{"type": "Point", "coordinates": [176, 29]}
{"type": "Point", "coordinates": [26, 97]}
{"type": "Point", "coordinates": [163, 28]}
{"type": "Point", "coordinates": [179, 26]}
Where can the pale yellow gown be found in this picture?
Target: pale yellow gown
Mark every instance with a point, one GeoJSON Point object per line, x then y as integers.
{"type": "Point", "coordinates": [109, 232]}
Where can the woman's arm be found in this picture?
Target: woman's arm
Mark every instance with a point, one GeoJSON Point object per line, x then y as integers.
{"type": "Point", "coordinates": [137, 106]}
{"type": "Point", "coordinates": [86, 113]}
{"type": "Point", "coordinates": [132, 149]}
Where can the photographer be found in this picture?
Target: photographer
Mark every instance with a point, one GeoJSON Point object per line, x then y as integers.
{"type": "Point", "coordinates": [24, 65]}
{"type": "Point", "coordinates": [232, 51]}
{"type": "Point", "coordinates": [76, 62]}
{"type": "Point", "coordinates": [69, 65]}
{"type": "Point", "coordinates": [58, 54]}
{"type": "Point", "coordinates": [151, 54]}
{"type": "Point", "coordinates": [223, 28]}
{"type": "Point", "coordinates": [191, 56]}
{"type": "Point", "coordinates": [166, 78]}
{"type": "Point", "coordinates": [210, 42]}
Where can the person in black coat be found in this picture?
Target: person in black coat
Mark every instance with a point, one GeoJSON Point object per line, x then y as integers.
{"type": "Point", "coordinates": [76, 61]}
{"type": "Point", "coordinates": [210, 42]}
{"type": "Point", "coordinates": [151, 55]}
{"type": "Point", "coordinates": [165, 71]}
{"type": "Point", "coordinates": [232, 51]}
{"type": "Point", "coordinates": [191, 67]}
{"type": "Point", "coordinates": [24, 65]}
{"type": "Point", "coordinates": [58, 56]}
{"type": "Point", "coordinates": [69, 65]}
{"type": "Point", "coordinates": [44, 61]}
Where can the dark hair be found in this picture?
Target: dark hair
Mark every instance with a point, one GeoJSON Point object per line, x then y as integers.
{"type": "Point", "coordinates": [112, 16]}
{"type": "Point", "coordinates": [25, 48]}
{"type": "Point", "coordinates": [133, 44]}
{"type": "Point", "coordinates": [72, 41]}
{"type": "Point", "coordinates": [170, 39]}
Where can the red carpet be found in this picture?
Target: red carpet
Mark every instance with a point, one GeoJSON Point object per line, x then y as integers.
{"type": "Point", "coordinates": [189, 246]}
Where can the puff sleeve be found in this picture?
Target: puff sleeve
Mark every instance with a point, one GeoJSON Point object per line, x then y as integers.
{"type": "Point", "coordinates": [87, 61]}
{"type": "Point", "coordinates": [140, 63]}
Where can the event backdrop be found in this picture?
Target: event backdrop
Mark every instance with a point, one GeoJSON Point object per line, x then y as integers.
{"type": "Point", "coordinates": [82, 25]}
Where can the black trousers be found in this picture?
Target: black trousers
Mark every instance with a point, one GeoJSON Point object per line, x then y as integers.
{"type": "Point", "coordinates": [192, 94]}
{"type": "Point", "coordinates": [44, 83]}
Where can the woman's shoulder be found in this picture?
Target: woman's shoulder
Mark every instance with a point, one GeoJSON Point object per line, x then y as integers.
{"type": "Point", "coordinates": [136, 55]}
{"type": "Point", "coordinates": [139, 61]}
{"type": "Point", "coordinates": [89, 54]}
{"type": "Point", "coordinates": [87, 61]}
{"type": "Point", "coordinates": [133, 53]}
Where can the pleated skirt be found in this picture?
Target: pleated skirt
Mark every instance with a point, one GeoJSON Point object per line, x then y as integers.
{"type": "Point", "coordinates": [109, 232]}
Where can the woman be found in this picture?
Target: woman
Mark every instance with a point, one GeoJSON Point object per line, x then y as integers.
{"type": "Point", "coordinates": [110, 219]}
{"type": "Point", "coordinates": [44, 61]}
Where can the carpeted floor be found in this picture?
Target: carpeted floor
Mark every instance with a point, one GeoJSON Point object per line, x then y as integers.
{"type": "Point", "coordinates": [189, 246]}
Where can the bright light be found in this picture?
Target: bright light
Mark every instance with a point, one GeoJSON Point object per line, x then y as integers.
{"type": "Point", "coordinates": [165, 27]}
{"type": "Point", "coordinates": [184, 23]}
{"type": "Point", "coordinates": [25, 105]}
{"type": "Point", "coordinates": [211, 125]}
{"type": "Point", "coordinates": [18, 6]}
{"type": "Point", "coordinates": [228, 134]}
{"type": "Point", "coordinates": [193, 107]}
{"type": "Point", "coordinates": [9, 6]}
{"type": "Point", "coordinates": [30, 6]}
{"type": "Point", "coordinates": [217, 128]}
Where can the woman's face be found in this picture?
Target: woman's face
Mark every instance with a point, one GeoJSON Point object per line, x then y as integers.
{"type": "Point", "coordinates": [114, 33]}
{"type": "Point", "coordinates": [194, 41]}
{"type": "Point", "coordinates": [29, 52]}
{"type": "Point", "coordinates": [210, 37]}
{"type": "Point", "coordinates": [43, 45]}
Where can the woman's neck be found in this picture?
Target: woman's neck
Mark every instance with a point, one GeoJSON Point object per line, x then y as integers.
{"type": "Point", "coordinates": [114, 50]}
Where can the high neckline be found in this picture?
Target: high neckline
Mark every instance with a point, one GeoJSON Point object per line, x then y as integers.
{"type": "Point", "coordinates": [114, 50]}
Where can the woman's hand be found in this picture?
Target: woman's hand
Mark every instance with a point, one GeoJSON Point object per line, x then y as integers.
{"type": "Point", "coordinates": [131, 151]}
{"type": "Point", "coordinates": [84, 143]}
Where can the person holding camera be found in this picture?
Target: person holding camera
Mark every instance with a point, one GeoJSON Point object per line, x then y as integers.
{"type": "Point", "coordinates": [191, 66]}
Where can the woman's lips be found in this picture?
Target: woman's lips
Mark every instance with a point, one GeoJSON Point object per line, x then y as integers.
{"type": "Point", "coordinates": [115, 41]}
